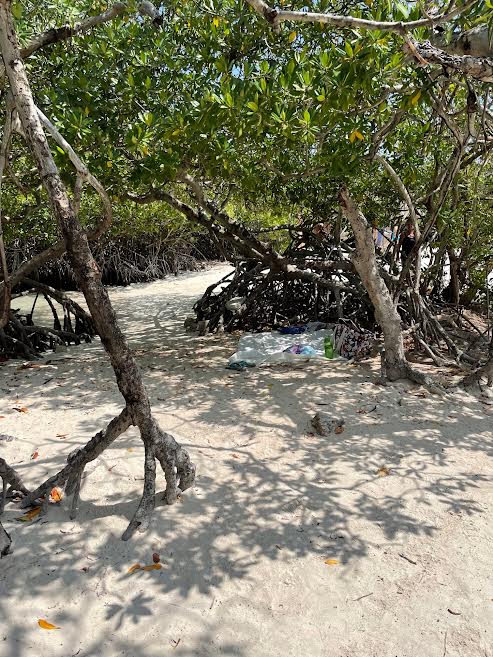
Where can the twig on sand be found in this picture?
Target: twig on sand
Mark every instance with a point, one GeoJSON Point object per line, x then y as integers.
{"type": "Point", "coordinates": [362, 596]}
{"type": "Point", "coordinates": [445, 644]}
{"type": "Point", "coordinates": [403, 556]}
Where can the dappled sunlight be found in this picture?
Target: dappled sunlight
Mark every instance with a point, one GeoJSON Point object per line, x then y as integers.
{"type": "Point", "coordinates": [272, 501]}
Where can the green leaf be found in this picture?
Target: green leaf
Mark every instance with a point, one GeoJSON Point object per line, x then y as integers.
{"type": "Point", "coordinates": [402, 10]}
{"type": "Point", "coordinates": [17, 10]}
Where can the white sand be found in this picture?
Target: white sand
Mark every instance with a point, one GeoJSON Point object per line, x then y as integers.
{"type": "Point", "coordinates": [244, 551]}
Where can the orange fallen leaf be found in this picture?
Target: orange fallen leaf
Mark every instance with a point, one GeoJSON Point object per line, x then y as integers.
{"type": "Point", "coordinates": [133, 568]}
{"type": "Point", "coordinates": [383, 471]}
{"type": "Point", "coordinates": [2, 417]}
{"type": "Point", "coordinates": [34, 455]}
{"type": "Point", "coordinates": [153, 566]}
{"type": "Point", "coordinates": [56, 495]}
{"type": "Point", "coordinates": [30, 515]}
{"type": "Point", "coordinates": [331, 562]}
{"type": "Point", "coordinates": [21, 409]}
{"type": "Point", "coordinates": [339, 429]}
{"type": "Point", "coordinates": [44, 625]}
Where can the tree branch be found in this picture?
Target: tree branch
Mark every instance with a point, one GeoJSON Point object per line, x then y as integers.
{"type": "Point", "coordinates": [479, 68]}
{"type": "Point", "coordinates": [7, 284]}
{"type": "Point", "coordinates": [276, 16]}
{"type": "Point", "coordinates": [57, 34]}
{"type": "Point", "coordinates": [83, 172]}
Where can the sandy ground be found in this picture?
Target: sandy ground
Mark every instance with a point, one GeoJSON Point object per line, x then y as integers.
{"type": "Point", "coordinates": [243, 552]}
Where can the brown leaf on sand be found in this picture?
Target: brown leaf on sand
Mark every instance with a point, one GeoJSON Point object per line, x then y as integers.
{"type": "Point", "coordinates": [28, 366]}
{"type": "Point", "coordinates": [137, 566]}
{"type": "Point", "coordinates": [56, 495]}
{"type": "Point", "coordinates": [331, 562]}
{"type": "Point", "coordinates": [30, 515]}
{"type": "Point", "coordinates": [383, 471]}
{"type": "Point", "coordinates": [235, 456]}
{"type": "Point", "coordinates": [339, 430]}
{"type": "Point", "coordinates": [2, 417]}
{"type": "Point", "coordinates": [44, 625]}
{"type": "Point", "coordinates": [21, 409]}
{"type": "Point", "coordinates": [155, 557]}
{"type": "Point", "coordinates": [34, 455]}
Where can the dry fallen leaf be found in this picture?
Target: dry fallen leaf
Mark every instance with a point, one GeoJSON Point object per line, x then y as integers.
{"type": "Point", "coordinates": [2, 417]}
{"type": "Point", "coordinates": [133, 568]}
{"type": "Point", "coordinates": [34, 455]}
{"type": "Point", "coordinates": [61, 435]}
{"type": "Point", "coordinates": [21, 409]}
{"type": "Point", "coordinates": [44, 625]}
{"type": "Point", "coordinates": [339, 429]}
{"type": "Point", "coordinates": [383, 471]}
{"type": "Point", "coordinates": [331, 562]}
{"type": "Point", "coordinates": [235, 456]}
{"type": "Point", "coordinates": [130, 449]}
{"type": "Point", "coordinates": [56, 495]}
{"type": "Point", "coordinates": [28, 366]}
{"type": "Point", "coordinates": [30, 515]}
{"type": "Point", "coordinates": [153, 566]}
{"type": "Point", "coordinates": [156, 558]}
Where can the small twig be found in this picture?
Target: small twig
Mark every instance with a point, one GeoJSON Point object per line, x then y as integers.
{"type": "Point", "coordinates": [445, 644]}
{"type": "Point", "coordinates": [362, 596]}
{"type": "Point", "coordinates": [403, 556]}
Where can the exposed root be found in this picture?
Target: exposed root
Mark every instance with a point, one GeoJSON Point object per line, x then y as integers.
{"type": "Point", "coordinates": [78, 459]}
{"type": "Point", "coordinates": [11, 482]}
{"type": "Point", "coordinates": [486, 372]}
{"type": "Point", "coordinates": [179, 471]}
{"type": "Point", "coordinates": [402, 370]}
{"type": "Point", "coordinates": [5, 542]}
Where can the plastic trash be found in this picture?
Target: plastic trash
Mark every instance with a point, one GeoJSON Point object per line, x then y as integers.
{"type": "Point", "coordinates": [292, 330]}
{"type": "Point", "coordinates": [273, 347]}
{"type": "Point", "coordinates": [329, 347]}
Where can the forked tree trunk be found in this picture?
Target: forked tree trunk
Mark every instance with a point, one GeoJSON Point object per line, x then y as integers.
{"type": "Point", "coordinates": [174, 459]}
{"type": "Point", "coordinates": [365, 263]}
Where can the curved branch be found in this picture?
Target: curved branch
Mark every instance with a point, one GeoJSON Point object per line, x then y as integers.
{"type": "Point", "coordinates": [57, 34]}
{"type": "Point", "coordinates": [83, 172]}
{"type": "Point", "coordinates": [479, 68]}
{"type": "Point", "coordinates": [276, 16]}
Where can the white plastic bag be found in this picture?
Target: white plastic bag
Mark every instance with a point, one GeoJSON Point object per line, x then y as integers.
{"type": "Point", "coordinates": [262, 348]}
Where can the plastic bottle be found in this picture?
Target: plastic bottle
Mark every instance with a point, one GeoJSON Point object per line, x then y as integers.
{"type": "Point", "coordinates": [329, 347]}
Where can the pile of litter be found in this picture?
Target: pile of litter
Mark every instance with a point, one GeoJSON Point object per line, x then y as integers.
{"type": "Point", "coordinates": [301, 344]}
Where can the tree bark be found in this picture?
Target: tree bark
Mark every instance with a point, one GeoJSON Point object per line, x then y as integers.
{"type": "Point", "coordinates": [88, 277]}
{"type": "Point", "coordinates": [365, 263]}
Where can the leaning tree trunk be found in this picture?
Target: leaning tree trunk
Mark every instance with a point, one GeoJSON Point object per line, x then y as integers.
{"type": "Point", "coordinates": [178, 469]}
{"type": "Point", "coordinates": [365, 262]}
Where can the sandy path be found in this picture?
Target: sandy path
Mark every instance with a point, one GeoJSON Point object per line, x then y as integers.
{"type": "Point", "coordinates": [244, 551]}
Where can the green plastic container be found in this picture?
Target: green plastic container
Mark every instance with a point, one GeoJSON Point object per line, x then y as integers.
{"type": "Point", "coordinates": [329, 347]}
